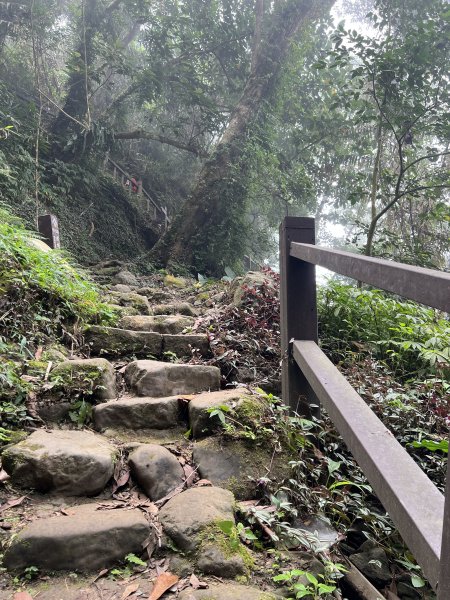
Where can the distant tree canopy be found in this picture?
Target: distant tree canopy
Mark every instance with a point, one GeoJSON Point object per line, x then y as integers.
{"type": "Point", "coordinates": [235, 113]}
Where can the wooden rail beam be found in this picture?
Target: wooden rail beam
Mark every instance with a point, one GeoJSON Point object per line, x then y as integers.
{"type": "Point", "coordinates": [427, 286]}
{"type": "Point", "coordinates": [414, 503]}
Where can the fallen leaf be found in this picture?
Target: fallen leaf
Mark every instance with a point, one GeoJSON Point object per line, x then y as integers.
{"type": "Point", "coordinates": [203, 483]}
{"type": "Point", "coordinates": [3, 476]}
{"type": "Point", "coordinates": [194, 581]}
{"type": "Point", "coordinates": [187, 397]}
{"type": "Point", "coordinates": [38, 353]}
{"type": "Point", "coordinates": [12, 502]}
{"type": "Point", "coordinates": [163, 583]}
{"type": "Point", "coordinates": [189, 474]}
{"type": "Point", "coordinates": [102, 572]}
{"type": "Point", "coordinates": [22, 596]}
{"type": "Point", "coordinates": [130, 589]}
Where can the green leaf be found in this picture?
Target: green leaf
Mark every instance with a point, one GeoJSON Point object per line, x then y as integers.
{"type": "Point", "coordinates": [417, 581]}
{"type": "Point", "coordinates": [432, 446]}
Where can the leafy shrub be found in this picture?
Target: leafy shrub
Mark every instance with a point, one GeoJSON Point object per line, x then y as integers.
{"type": "Point", "coordinates": [40, 291]}
{"type": "Point", "coordinates": [412, 339]}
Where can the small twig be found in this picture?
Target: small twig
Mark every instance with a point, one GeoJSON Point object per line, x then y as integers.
{"type": "Point", "coordinates": [47, 372]}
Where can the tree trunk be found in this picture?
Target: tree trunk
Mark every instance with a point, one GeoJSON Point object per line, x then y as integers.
{"type": "Point", "coordinates": [209, 231]}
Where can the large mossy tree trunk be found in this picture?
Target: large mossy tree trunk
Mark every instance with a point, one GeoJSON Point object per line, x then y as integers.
{"type": "Point", "coordinates": [209, 232]}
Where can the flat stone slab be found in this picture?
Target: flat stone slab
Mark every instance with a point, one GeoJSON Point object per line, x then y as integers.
{"type": "Point", "coordinates": [187, 514]}
{"type": "Point", "coordinates": [201, 422]}
{"type": "Point", "coordinates": [86, 539]}
{"type": "Point", "coordinates": [173, 308]}
{"type": "Point", "coordinates": [131, 299]}
{"type": "Point", "coordinates": [138, 413]}
{"type": "Point", "coordinates": [237, 465]}
{"type": "Point", "coordinates": [160, 323]}
{"type": "Point", "coordinates": [228, 591]}
{"type": "Point", "coordinates": [158, 379]}
{"type": "Point", "coordinates": [155, 294]}
{"type": "Point", "coordinates": [156, 470]}
{"type": "Point", "coordinates": [113, 341]}
{"type": "Point", "coordinates": [74, 463]}
{"type": "Point", "coordinates": [73, 375]}
{"type": "Point", "coordinates": [184, 344]}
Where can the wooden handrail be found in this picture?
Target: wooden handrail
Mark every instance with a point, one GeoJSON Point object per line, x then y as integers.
{"type": "Point", "coordinates": [161, 209]}
{"type": "Point", "coordinates": [418, 509]}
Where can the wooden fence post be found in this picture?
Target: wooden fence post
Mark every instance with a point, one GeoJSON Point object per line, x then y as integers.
{"type": "Point", "coordinates": [298, 312]}
{"type": "Point", "coordinates": [443, 590]}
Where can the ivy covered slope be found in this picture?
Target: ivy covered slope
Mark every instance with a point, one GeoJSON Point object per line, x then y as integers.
{"type": "Point", "coordinates": [44, 299]}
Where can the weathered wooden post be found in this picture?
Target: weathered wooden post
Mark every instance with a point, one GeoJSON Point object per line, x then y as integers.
{"type": "Point", "coordinates": [48, 228]}
{"type": "Point", "coordinates": [298, 312]}
{"type": "Point", "coordinates": [443, 590]}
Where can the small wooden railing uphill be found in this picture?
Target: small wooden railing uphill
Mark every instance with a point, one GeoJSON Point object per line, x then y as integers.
{"type": "Point", "coordinates": [159, 212]}
{"type": "Point", "coordinates": [418, 509]}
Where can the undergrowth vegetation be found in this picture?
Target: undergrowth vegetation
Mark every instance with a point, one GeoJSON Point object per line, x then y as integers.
{"type": "Point", "coordinates": [396, 355]}
{"type": "Point", "coordinates": [43, 297]}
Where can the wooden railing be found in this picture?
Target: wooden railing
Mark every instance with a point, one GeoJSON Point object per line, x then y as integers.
{"type": "Point", "coordinates": [418, 509]}
{"type": "Point", "coordinates": [159, 212]}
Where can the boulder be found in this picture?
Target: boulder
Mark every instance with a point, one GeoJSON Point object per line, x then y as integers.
{"type": "Point", "coordinates": [159, 379]}
{"type": "Point", "coordinates": [238, 465]}
{"type": "Point", "coordinates": [74, 463]}
{"type": "Point", "coordinates": [181, 308]}
{"type": "Point", "coordinates": [84, 539]}
{"type": "Point", "coordinates": [160, 323]}
{"type": "Point", "coordinates": [156, 470]}
{"type": "Point", "coordinates": [137, 413]}
{"type": "Point", "coordinates": [94, 375]}
{"type": "Point", "coordinates": [372, 561]}
{"type": "Point", "coordinates": [186, 515]}
{"type": "Point", "coordinates": [113, 341]}
{"type": "Point", "coordinates": [200, 420]}
{"type": "Point", "coordinates": [184, 344]}
{"type": "Point", "coordinates": [228, 591]}
{"type": "Point", "coordinates": [252, 279]}
{"type": "Point", "coordinates": [214, 560]}
{"type": "Point", "coordinates": [131, 299]}
{"type": "Point", "coordinates": [126, 278]}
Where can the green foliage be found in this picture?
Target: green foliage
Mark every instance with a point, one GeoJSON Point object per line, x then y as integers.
{"type": "Point", "coordinates": [131, 564]}
{"type": "Point", "coordinates": [41, 291]}
{"type": "Point", "coordinates": [411, 339]}
{"type": "Point", "coordinates": [312, 587]}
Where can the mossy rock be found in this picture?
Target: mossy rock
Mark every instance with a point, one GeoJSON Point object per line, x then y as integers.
{"type": "Point", "coordinates": [92, 377]}
{"type": "Point", "coordinates": [237, 465]}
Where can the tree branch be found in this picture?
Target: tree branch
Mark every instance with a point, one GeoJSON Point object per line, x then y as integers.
{"type": "Point", "coordinates": [140, 134]}
{"type": "Point", "coordinates": [414, 162]}
{"type": "Point", "coordinates": [419, 189]}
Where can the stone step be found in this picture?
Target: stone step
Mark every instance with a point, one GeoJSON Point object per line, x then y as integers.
{"type": "Point", "coordinates": [95, 375]}
{"type": "Point", "coordinates": [229, 591]}
{"type": "Point", "coordinates": [70, 462]}
{"type": "Point", "coordinates": [191, 520]}
{"type": "Point", "coordinates": [156, 379]}
{"type": "Point", "coordinates": [113, 341]}
{"type": "Point", "coordinates": [182, 308]}
{"type": "Point", "coordinates": [131, 300]}
{"type": "Point", "coordinates": [159, 323]}
{"type": "Point", "coordinates": [138, 413]}
{"type": "Point", "coordinates": [87, 538]}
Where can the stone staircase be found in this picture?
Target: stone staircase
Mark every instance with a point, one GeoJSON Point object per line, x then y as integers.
{"type": "Point", "coordinates": [82, 513]}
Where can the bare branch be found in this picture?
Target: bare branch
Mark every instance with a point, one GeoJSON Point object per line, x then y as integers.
{"type": "Point", "coordinates": [414, 162]}
{"type": "Point", "coordinates": [420, 188]}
